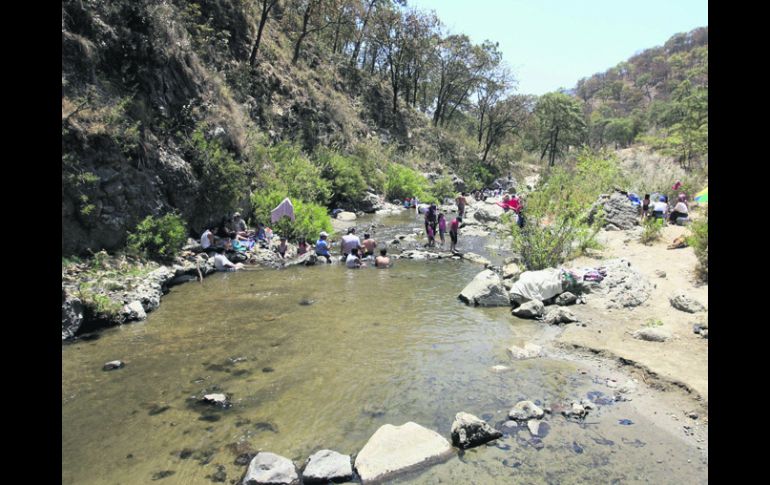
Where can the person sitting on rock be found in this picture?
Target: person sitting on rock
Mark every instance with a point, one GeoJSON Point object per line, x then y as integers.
{"type": "Point", "coordinates": [353, 261]}
{"type": "Point", "coordinates": [221, 263]}
{"type": "Point", "coordinates": [660, 208]}
{"type": "Point", "coordinates": [207, 241]}
{"type": "Point", "coordinates": [302, 246]}
{"type": "Point", "coordinates": [382, 261]}
{"type": "Point", "coordinates": [282, 247]}
{"type": "Point", "coordinates": [680, 209]}
{"type": "Point", "coordinates": [239, 225]}
{"type": "Point", "coordinates": [322, 247]}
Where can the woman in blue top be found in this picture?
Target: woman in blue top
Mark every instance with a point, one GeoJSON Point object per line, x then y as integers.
{"type": "Point", "coordinates": [322, 247]}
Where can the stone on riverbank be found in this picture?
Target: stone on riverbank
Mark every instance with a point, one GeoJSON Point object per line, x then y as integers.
{"type": "Point", "coordinates": [652, 334]}
{"type": "Point", "coordinates": [134, 311]}
{"type": "Point", "coordinates": [530, 309]}
{"type": "Point", "coordinates": [511, 270]}
{"type": "Point", "coordinates": [685, 303]}
{"type": "Point", "coordinates": [394, 449]}
{"type": "Point", "coordinates": [469, 431]}
{"type": "Point", "coordinates": [558, 314]}
{"type": "Point", "coordinates": [624, 287]}
{"type": "Point", "coordinates": [269, 468]}
{"type": "Point", "coordinates": [487, 212]}
{"type": "Point", "coordinates": [485, 289]}
{"type": "Point", "coordinates": [71, 315]}
{"type": "Point", "coordinates": [476, 258]}
{"type": "Point", "coordinates": [565, 299]}
{"type": "Point", "coordinates": [326, 466]}
{"type": "Point", "coordinates": [619, 212]}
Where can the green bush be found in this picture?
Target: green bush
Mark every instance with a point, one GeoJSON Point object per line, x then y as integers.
{"type": "Point", "coordinates": [159, 238]}
{"type": "Point", "coordinates": [443, 188]}
{"type": "Point", "coordinates": [557, 227]}
{"type": "Point", "coordinates": [652, 230]}
{"type": "Point", "coordinates": [402, 182]}
{"type": "Point", "coordinates": [699, 240]}
{"type": "Point", "coordinates": [284, 168]}
{"type": "Point", "coordinates": [311, 218]}
{"type": "Point", "coordinates": [222, 180]}
{"type": "Point", "coordinates": [344, 176]}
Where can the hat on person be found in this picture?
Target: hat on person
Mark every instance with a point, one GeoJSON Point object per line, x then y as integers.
{"type": "Point", "coordinates": [324, 234]}
{"type": "Point", "coordinates": [237, 214]}
{"type": "Point", "coordinates": [682, 197]}
{"type": "Point", "coordinates": [662, 198]}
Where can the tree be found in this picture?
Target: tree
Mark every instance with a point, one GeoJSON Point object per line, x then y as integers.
{"type": "Point", "coordinates": [267, 5]}
{"type": "Point", "coordinates": [504, 117]}
{"type": "Point", "coordinates": [312, 21]}
{"type": "Point", "coordinates": [561, 124]}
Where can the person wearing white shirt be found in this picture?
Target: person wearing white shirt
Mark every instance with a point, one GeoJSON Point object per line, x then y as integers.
{"type": "Point", "coordinates": [680, 210]}
{"type": "Point", "coordinates": [660, 208]}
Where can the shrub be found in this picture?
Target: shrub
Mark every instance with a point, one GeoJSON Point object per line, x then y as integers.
{"type": "Point", "coordinates": [284, 168]}
{"type": "Point", "coordinates": [557, 227]}
{"type": "Point", "coordinates": [222, 179]}
{"type": "Point", "coordinates": [443, 188]}
{"type": "Point", "coordinates": [699, 240]}
{"type": "Point", "coordinates": [159, 238]}
{"type": "Point", "coordinates": [652, 230]}
{"type": "Point", "coordinates": [310, 218]}
{"type": "Point", "coordinates": [344, 175]}
{"type": "Point", "coordinates": [402, 182]}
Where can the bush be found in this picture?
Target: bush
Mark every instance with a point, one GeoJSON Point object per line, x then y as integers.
{"type": "Point", "coordinates": [402, 182]}
{"type": "Point", "coordinates": [222, 179]}
{"type": "Point", "coordinates": [557, 227]}
{"type": "Point", "coordinates": [159, 238]}
{"type": "Point", "coordinates": [652, 230]}
{"type": "Point", "coordinates": [311, 218]}
{"type": "Point", "coordinates": [443, 188]}
{"type": "Point", "coordinates": [284, 168]}
{"type": "Point", "coordinates": [700, 244]}
{"type": "Point", "coordinates": [344, 175]}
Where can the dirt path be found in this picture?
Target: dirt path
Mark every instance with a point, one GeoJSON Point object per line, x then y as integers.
{"type": "Point", "coordinates": [680, 361]}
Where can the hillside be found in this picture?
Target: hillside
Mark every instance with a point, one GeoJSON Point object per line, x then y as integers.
{"type": "Point", "coordinates": [659, 97]}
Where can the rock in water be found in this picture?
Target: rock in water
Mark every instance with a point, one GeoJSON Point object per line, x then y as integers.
{"type": "Point", "coordinates": [269, 468]}
{"type": "Point", "coordinates": [485, 289]}
{"type": "Point", "coordinates": [327, 465]}
{"type": "Point", "coordinates": [530, 309]}
{"type": "Point", "coordinates": [528, 352]}
{"type": "Point", "coordinates": [346, 216]}
{"type": "Point", "coordinates": [524, 410]}
{"type": "Point", "coordinates": [393, 449]}
{"type": "Point", "coordinates": [469, 431]}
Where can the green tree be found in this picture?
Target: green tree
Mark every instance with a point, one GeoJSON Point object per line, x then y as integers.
{"type": "Point", "coordinates": [561, 124]}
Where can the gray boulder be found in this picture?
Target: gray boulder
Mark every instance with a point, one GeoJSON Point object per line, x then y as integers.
{"type": "Point", "coordinates": [619, 212]}
{"type": "Point", "coordinates": [524, 410]}
{"type": "Point", "coordinates": [307, 259]}
{"type": "Point", "coordinates": [565, 299]}
{"type": "Point", "coordinates": [558, 314]}
{"type": "Point", "coordinates": [488, 212]}
{"type": "Point", "coordinates": [370, 203]}
{"type": "Point", "coordinates": [458, 183]}
{"type": "Point", "coordinates": [268, 468]}
{"type": "Point", "coordinates": [134, 311]}
{"type": "Point", "coordinates": [327, 466]}
{"type": "Point", "coordinates": [530, 309]}
{"type": "Point", "coordinates": [476, 258]}
{"type": "Point", "coordinates": [623, 287]}
{"type": "Point", "coordinates": [511, 270]}
{"type": "Point", "coordinates": [485, 289]}
{"type": "Point", "coordinates": [469, 431]}
{"type": "Point", "coordinates": [685, 303]}
{"type": "Point", "coordinates": [71, 316]}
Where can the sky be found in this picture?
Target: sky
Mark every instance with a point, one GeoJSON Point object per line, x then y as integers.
{"type": "Point", "coordinates": [551, 44]}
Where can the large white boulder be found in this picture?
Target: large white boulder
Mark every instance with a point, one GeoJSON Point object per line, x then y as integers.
{"type": "Point", "coordinates": [269, 468]}
{"type": "Point", "coordinates": [394, 449]}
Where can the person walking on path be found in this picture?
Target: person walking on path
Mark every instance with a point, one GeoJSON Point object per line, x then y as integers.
{"type": "Point", "coordinates": [454, 229]}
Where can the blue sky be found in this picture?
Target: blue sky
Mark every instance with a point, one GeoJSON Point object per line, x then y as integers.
{"type": "Point", "coordinates": [553, 43]}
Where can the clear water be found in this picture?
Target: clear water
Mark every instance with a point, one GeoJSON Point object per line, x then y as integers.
{"type": "Point", "coordinates": [372, 347]}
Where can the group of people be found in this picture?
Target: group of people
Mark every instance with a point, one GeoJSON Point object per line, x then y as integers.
{"type": "Point", "coordinates": [660, 208]}
{"type": "Point", "coordinates": [435, 223]}
{"type": "Point", "coordinates": [353, 250]}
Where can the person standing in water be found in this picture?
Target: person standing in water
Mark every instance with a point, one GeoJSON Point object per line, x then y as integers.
{"type": "Point", "coordinates": [369, 245]}
{"type": "Point", "coordinates": [441, 227]}
{"type": "Point", "coordinates": [454, 229]}
{"type": "Point", "coordinates": [382, 261]}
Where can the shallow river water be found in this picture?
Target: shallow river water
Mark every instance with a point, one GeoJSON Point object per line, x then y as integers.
{"type": "Point", "coordinates": [320, 357]}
